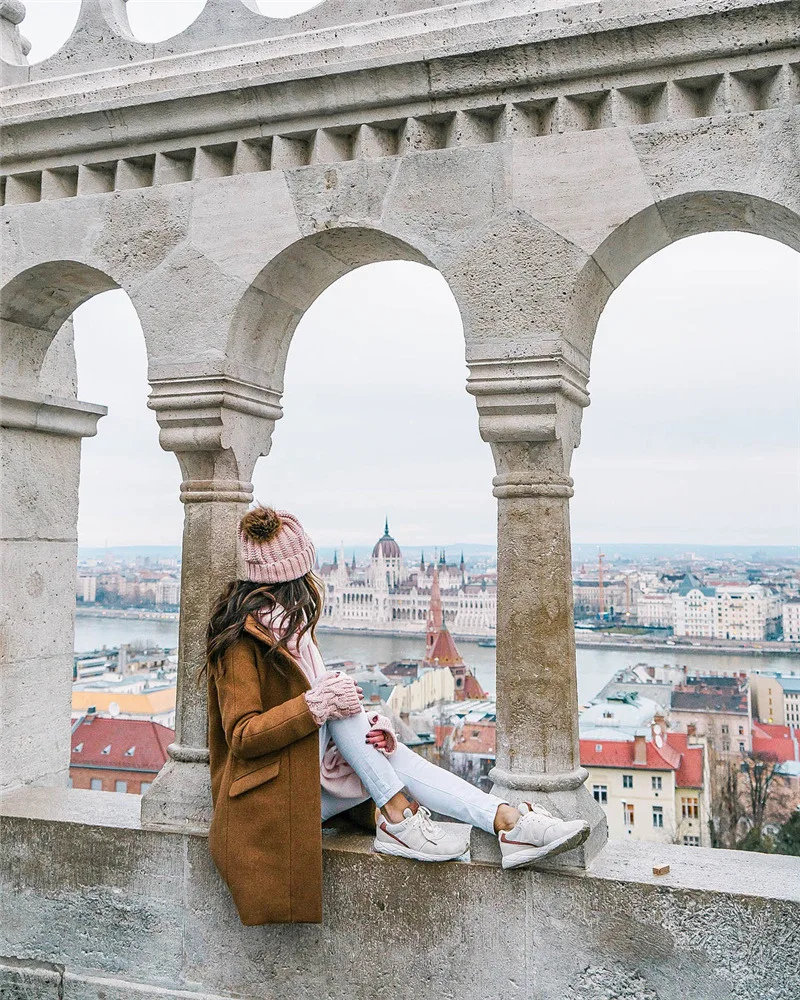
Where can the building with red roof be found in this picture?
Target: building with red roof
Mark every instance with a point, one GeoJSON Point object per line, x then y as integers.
{"type": "Point", "coordinates": [655, 787]}
{"type": "Point", "coordinates": [117, 755]}
{"type": "Point", "coordinates": [783, 742]}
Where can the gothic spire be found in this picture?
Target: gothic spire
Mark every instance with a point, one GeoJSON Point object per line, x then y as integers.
{"type": "Point", "coordinates": [435, 615]}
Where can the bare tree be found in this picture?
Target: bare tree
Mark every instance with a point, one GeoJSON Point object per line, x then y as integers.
{"type": "Point", "coordinates": [758, 770]}
{"type": "Point", "coordinates": [726, 802]}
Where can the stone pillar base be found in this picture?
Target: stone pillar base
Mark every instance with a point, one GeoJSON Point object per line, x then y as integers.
{"type": "Point", "coordinates": [571, 803]}
{"type": "Point", "coordinates": [179, 800]}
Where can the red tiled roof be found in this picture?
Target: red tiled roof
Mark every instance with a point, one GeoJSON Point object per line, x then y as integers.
{"type": "Point", "coordinates": [444, 652]}
{"type": "Point", "coordinates": [675, 755]}
{"type": "Point", "coordinates": [149, 741]}
{"type": "Point", "coordinates": [777, 740]}
{"type": "Point", "coordinates": [472, 687]}
{"type": "Point", "coordinates": [472, 737]}
{"type": "Point", "coordinates": [690, 770]}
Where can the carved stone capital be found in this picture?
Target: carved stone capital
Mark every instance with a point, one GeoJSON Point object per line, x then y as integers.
{"type": "Point", "coordinates": [217, 427]}
{"type": "Point", "coordinates": [530, 412]}
{"type": "Point", "coordinates": [49, 414]}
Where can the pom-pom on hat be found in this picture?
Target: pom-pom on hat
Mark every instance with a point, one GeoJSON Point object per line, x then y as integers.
{"type": "Point", "coordinates": [274, 546]}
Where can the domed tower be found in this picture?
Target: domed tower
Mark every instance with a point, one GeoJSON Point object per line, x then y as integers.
{"type": "Point", "coordinates": [387, 557]}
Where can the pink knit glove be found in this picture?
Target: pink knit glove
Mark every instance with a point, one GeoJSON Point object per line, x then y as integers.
{"type": "Point", "coordinates": [377, 721]}
{"type": "Point", "coordinates": [334, 696]}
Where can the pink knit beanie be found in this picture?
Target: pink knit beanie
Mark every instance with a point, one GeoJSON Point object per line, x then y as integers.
{"type": "Point", "coordinates": [274, 546]}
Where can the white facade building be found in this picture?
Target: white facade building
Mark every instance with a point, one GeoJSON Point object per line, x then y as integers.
{"type": "Point", "coordinates": [86, 589]}
{"type": "Point", "coordinates": [727, 612]}
{"type": "Point", "coordinates": [389, 596]}
{"type": "Point", "coordinates": [655, 610]}
{"type": "Point", "coordinates": [776, 698]}
{"type": "Point", "coordinates": [168, 592]}
{"type": "Point", "coordinates": [791, 620]}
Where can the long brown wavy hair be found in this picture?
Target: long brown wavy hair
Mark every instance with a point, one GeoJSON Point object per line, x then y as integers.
{"type": "Point", "coordinates": [300, 599]}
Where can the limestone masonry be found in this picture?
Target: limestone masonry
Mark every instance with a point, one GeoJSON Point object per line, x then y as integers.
{"type": "Point", "coordinates": [534, 153]}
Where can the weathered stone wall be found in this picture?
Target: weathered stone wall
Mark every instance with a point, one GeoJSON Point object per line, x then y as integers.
{"type": "Point", "coordinates": [109, 912]}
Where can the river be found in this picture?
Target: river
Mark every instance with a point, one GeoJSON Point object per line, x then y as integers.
{"type": "Point", "coordinates": [595, 666]}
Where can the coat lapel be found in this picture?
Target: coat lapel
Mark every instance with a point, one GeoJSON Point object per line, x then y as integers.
{"type": "Point", "coordinates": [258, 631]}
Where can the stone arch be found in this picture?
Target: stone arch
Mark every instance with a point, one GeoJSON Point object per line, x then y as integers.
{"type": "Point", "coordinates": [34, 306]}
{"type": "Point", "coordinates": [268, 313]}
{"type": "Point", "coordinates": [666, 222]}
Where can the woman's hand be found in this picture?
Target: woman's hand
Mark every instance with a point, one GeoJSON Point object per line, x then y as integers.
{"type": "Point", "coordinates": [334, 696]}
{"type": "Point", "coordinates": [378, 739]}
{"type": "Point", "coordinates": [381, 734]}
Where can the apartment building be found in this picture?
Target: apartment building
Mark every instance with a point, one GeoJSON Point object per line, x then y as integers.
{"type": "Point", "coordinates": [715, 708]}
{"type": "Point", "coordinates": [653, 788]}
{"type": "Point", "coordinates": [727, 612]}
{"type": "Point", "coordinates": [655, 610]}
{"type": "Point", "coordinates": [776, 698]}
{"type": "Point", "coordinates": [791, 620]}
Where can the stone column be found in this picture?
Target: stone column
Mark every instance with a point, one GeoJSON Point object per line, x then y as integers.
{"type": "Point", "coordinates": [41, 453]}
{"type": "Point", "coordinates": [217, 428]}
{"type": "Point", "coordinates": [530, 414]}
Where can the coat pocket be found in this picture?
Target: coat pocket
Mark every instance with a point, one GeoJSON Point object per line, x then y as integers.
{"type": "Point", "coordinates": [255, 777]}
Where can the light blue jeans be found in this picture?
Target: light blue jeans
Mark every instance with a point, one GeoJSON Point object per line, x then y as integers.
{"type": "Point", "coordinates": [384, 777]}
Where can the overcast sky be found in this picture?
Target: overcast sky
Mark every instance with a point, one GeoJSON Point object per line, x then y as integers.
{"type": "Point", "coordinates": [693, 434]}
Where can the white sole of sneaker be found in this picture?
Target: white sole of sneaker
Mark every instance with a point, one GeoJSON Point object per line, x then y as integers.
{"type": "Point", "coordinates": [534, 854]}
{"type": "Point", "coordinates": [401, 851]}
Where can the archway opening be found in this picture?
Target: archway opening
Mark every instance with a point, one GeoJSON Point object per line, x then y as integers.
{"type": "Point", "coordinates": [379, 448]}
{"type": "Point", "coordinates": [686, 530]}
{"type": "Point", "coordinates": [129, 552]}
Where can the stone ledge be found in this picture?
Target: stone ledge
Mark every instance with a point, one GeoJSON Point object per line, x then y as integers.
{"type": "Point", "coordinates": [73, 805]}
{"type": "Point", "coordinates": [761, 876]}
{"type": "Point", "coordinates": [102, 909]}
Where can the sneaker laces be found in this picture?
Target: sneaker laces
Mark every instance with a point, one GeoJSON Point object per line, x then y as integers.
{"type": "Point", "coordinates": [533, 813]}
{"type": "Point", "coordinates": [431, 830]}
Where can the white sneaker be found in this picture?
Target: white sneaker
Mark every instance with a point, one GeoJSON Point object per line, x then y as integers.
{"type": "Point", "coordinates": [418, 837]}
{"type": "Point", "coordinates": [538, 834]}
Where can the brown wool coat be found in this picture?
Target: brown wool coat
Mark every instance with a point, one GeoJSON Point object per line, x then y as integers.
{"type": "Point", "coordinates": [266, 836]}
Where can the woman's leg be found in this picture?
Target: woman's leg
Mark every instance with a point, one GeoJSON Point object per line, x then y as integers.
{"type": "Point", "coordinates": [443, 792]}
{"type": "Point", "coordinates": [332, 805]}
{"type": "Point", "coordinates": [434, 787]}
{"type": "Point", "coordinates": [375, 771]}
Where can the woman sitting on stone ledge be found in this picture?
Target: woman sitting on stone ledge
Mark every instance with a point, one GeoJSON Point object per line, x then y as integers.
{"type": "Point", "coordinates": [291, 742]}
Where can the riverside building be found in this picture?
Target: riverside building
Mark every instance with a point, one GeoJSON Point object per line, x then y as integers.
{"type": "Point", "coordinates": [728, 612]}
{"type": "Point", "coordinates": [389, 596]}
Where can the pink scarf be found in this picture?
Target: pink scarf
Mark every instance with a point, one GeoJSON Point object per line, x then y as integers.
{"type": "Point", "coordinates": [335, 774]}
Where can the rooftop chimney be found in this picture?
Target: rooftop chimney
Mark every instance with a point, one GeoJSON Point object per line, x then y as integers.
{"type": "Point", "coordinates": [640, 749]}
